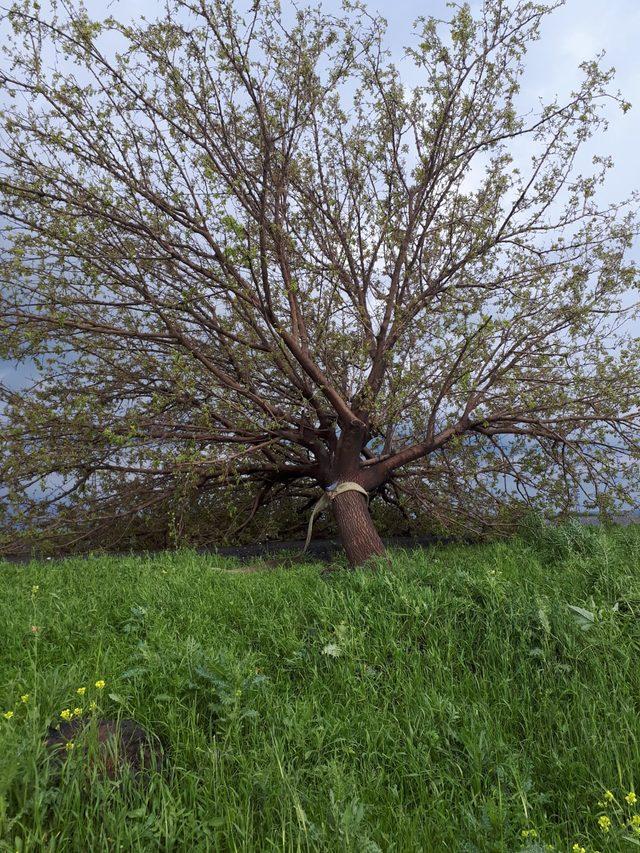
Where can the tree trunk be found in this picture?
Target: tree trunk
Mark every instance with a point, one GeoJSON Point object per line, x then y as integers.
{"type": "Point", "coordinates": [357, 531]}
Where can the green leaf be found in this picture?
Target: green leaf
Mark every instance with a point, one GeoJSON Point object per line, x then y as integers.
{"type": "Point", "coordinates": [136, 813]}
{"type": "Point", "coordinates": [134, 671]}
{"type": "Point", "coordinates": [585, 618]}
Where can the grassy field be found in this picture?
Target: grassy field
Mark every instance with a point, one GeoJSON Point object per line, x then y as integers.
{"type": "Point", "coordinates": [451, 701]}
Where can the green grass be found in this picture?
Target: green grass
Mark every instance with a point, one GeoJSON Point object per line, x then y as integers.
{"type": "Point", "coordinates": [448, 702]}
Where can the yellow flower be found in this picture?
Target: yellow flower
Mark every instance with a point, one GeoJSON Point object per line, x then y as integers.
{"type": "Point", "coordinates": [69, 745]}
{"type": "Point", "coordinates": [77, 712]}
{"type": "Point", "coordinates": [604, 823]}
{"type": "Point", "coordinates": [66, 714]}
{"type": "Point", "coordinates": [24, 697]}
{"type": "Point", "coordinates": [34, 589]}
{"type": "Point", "coordinates": [608, 797]}
{"type": "Point", "coordinates": [631, 798]}
{"type": "Point", "coordinates": [529, 833]}
{"type": "Point", "coordinates": [101, 684]}
{"type": "Point", "coordinates": [93, 706]}
{"type": "Point", "coordinates": [635, 821]}
{"type": "Point", "coordinates": [577, 849]}
{"type": "Point", "coordinates": [7, 715]}
{"type": "Point", "coordinates": [81, 691]}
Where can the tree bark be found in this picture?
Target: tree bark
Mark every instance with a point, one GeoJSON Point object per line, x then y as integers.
{"type": "Point", "coordinates": [356, 529]}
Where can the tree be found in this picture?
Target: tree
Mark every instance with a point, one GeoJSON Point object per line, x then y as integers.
{"type": "Point", "coordinates": [242, 251]}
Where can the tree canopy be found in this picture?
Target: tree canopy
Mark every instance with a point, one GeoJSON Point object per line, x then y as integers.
{"type": "Point", "coordinates": [246, 251]}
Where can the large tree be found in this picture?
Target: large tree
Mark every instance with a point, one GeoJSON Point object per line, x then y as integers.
{"type": "Point", "coordinates": [245, 251]}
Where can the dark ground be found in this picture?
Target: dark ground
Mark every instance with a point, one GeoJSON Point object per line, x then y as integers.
{"type": "Point", "coordinates": [319, 549]}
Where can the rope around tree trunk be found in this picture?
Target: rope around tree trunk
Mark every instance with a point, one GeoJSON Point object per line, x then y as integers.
{"type": "Point", "coordinates": [325, 501]}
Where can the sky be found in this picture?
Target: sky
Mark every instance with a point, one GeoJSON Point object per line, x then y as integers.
{"type": "Point", "coordinates": [572, 34]}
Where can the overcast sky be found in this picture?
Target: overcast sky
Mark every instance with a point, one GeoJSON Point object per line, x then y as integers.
{"type": "Point", "coordinates": [576, 32]}
{"type": "Point", "coordinates": [572, 34]}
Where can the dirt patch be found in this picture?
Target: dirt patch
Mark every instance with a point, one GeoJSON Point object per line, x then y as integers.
{"type": "Point", "coordinates": [251, 568]}
{"type": "Point", "coordinates": [120, 746]}
{"type": "Point", "coordinates": [288, 553]}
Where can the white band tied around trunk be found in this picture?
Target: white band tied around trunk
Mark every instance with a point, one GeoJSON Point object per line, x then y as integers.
{"type": "Point", "coordinates": [325, 501]}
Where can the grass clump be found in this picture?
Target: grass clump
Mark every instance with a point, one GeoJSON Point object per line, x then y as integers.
{"type": "Point", "coordinates": [452, 701]}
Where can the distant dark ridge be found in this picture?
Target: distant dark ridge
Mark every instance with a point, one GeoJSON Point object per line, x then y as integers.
{"type": "Point", "coordinates": [319, 549]}
{"type": "Point", "coordinates": [322, 549]}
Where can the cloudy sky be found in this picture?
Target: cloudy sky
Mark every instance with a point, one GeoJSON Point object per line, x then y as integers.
{"type": "Point", "coordinates": [572, 34]}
